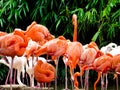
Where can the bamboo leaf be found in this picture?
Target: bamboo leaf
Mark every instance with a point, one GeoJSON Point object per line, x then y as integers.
{"type": "Point", "coordinates": [58, 23]}
{"type": "Point", "coordinates": [94, 38]}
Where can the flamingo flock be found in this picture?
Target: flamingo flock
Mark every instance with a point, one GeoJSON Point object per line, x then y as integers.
{"type": "Point", "coordinates": [22, 50]}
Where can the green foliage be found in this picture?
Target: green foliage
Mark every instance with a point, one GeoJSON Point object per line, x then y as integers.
{"type": "Point", "coordinates": [11, 11]}
{"type": "Point", "coordinates": [3, 72]}
{"type": "Point", "coordinates": [108, 23]}
{"type": "Point", "coordinates": [100, 18]}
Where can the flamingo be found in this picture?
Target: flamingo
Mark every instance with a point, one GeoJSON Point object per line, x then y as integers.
{"type": "Point", "coordinates": [18, 64]}
{"type": "Point", "coordinates": [73, 54]}
{"type": "Point", "coordinates": [115, 67]}
{"type": "Point", "coordinates": [44, 72]}
{"type": "Point", "coordinates": [102, 65]}
{"type": "Point", "coordinates": [31, 47]}
{"type": "Point", "coordinates": [29, 54]}
{"type": "Point", "coordinates": [74, 22]}
{"type": "Point", "coordinates": [55, 48]}
{"type": "Point", "coordinates": [38, 33]}
{"type": "Point", "coordinates": [12, 45]}
{"type": "Point", "coordinates": [109, 47]}
{"type": "Point", "coordinates": [91, 51]}
{"type": "Point", "coordinates": [30, 68]}
{"type": "Point", "coordinates": [106, 63]}
{"type": "Point", "coordinates": [114, 50]}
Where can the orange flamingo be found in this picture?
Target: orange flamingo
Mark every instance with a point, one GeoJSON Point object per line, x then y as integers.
{"type": "Point", "coordinates": [12, 42]}
{"type": "Point", "coordinates": [91, 51]}
{"type": "Point", "coordinates": [115, 66]}
{"type": "Point", "coordinates": [11, 45]}
{"type": "Point", "coordinates": [74, 22]}
{"type": "Point", "coordinates": [102, 64]}
{"type": "Point", "coordinates": [38, 33]}
{"type": "Point", "coordinates": [55, 48]}
{"type": "Point", "coordinates": [44, 72]}
{"type": "Point", "coordinates": [73, 54]}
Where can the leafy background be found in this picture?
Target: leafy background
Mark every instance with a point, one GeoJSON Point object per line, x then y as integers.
{"type": "Point", "coordinates": [98, 20]}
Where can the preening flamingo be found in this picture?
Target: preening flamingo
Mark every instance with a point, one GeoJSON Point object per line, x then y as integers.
{"type": "Point", "coordinates": [31, 59]}
{"type": "Point", "coordinates": [44, 72]}
{"type": "Point", "coordinates": [12, 45]}
{"type": "Point", "coordinates": [56, 48]}
{"type": "Point", "coordinates": [115, 66]}
{"type": "Point", "coordinates": [102, 65]}
{"type": "Point", "coordinates": [30, 67]}
{"type": "Point", "coordinates": [108, 48]}
{"type": "Point", "coordinates": [31, 47]}
{"type": "Point", "coordinates": [113, 49]}
{"type": "Point", "coordinates": [38, 33]}
{"type": "Point", "coordinates": [88, 56]}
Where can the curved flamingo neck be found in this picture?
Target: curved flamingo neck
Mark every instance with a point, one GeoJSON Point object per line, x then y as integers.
{"type": "Point", "coordinates": [83, 69]}
{"type": "Point", "coordinates": [99, 74]}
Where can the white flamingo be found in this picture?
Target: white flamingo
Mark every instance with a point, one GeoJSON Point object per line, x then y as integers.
{"type": "Point", "coordinates": [18, 64]}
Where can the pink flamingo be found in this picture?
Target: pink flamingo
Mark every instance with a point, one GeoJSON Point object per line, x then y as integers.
{"type": "Point", "coordinates": [11, 45]}
{"type": "Point", "coordinates": [55, 48]}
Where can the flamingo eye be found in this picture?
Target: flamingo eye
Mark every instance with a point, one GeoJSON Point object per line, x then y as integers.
{"type": "Point", "coordinates": [113, 46]}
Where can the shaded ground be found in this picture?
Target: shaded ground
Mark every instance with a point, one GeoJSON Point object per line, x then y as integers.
{"type": "Point", "coordinates": [21, 87]}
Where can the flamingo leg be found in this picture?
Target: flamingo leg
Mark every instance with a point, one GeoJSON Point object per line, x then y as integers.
{"type": "Point", "coordinates": [11, 70]}
{"type": "Point", "coordinates": [81, 78]}
{"type": "Point", "coordinates": [87, 80]}
{"type": "Point", "coordinates": [18, 78]}
{"type": "Point", "coordinates": [26, 78]}
{"type": "Point", "coordinates": [57, 61]}
{"type": "Point", "coordinates": [106, 81]}
{"type": "Point", "coordinates": [49, 86]}
{"type": "Point", "coordinates": [32, 76]}
{"type": "Point", "coordinates": [116, 77]}
{"type": "Point", "coordinates": [66, 86]}
{"type": "Point", "coordinates": [117, 83]}
{"type": "Point", "coordinates": [6, 82]}
{"type": "Point", "coordinates": [102, 82]}
{"type": "Point", "coordinates": [66, 78]}
{"type": "Point", "coordinates": [81, 81]}
{"type": "Point", "coordinates": [72, 79]}
{"type": "Point", "coordinates": [23, 74]}
{"type": "Point", "coordinates": [14, 76]}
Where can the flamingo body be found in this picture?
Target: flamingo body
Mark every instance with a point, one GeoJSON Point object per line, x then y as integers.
{"type": "Point", "coordinates": [44, 72]}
